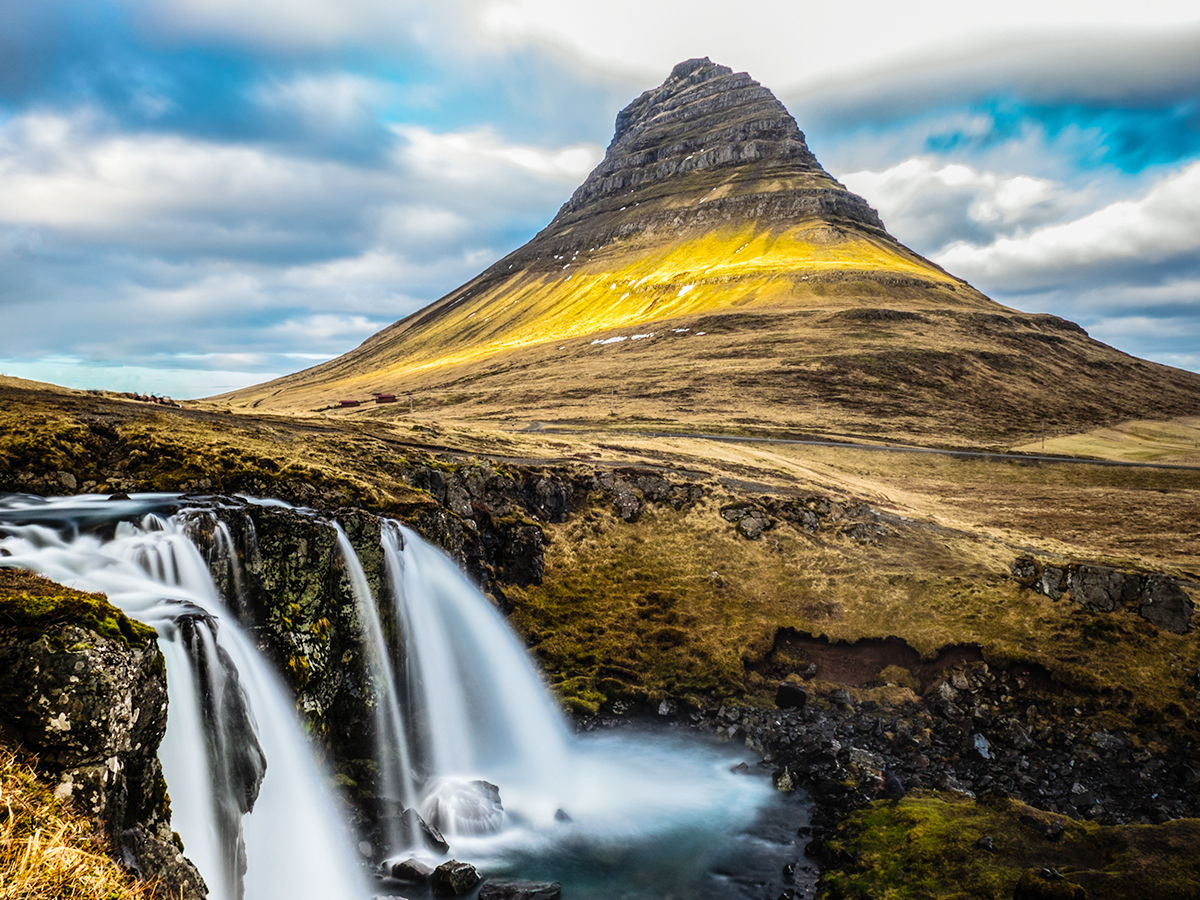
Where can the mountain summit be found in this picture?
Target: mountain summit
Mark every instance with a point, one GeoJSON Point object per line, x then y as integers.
{"type": "Point", "coordinates": [710, 273]}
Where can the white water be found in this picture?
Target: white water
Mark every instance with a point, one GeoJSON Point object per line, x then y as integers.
{"type": "Point", "coordinates": [472, 687]}
{"type": "Point", "coordinates": [392, 753]}
{"type": "Point", "coordinates": [296, 846]}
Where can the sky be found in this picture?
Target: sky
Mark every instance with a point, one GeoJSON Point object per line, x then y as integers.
{"type": "Point", "coordinates": [198, 195]}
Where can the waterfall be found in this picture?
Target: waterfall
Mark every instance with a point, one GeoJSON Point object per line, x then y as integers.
{"type": "Point", "coordinates": [228, 712]}
{"type": "Point", "coordinates": [392, 752]}
{"type": "Point", "coordinates": [466, 732]}
{"type": "Point", "coordinates": [474, 694]}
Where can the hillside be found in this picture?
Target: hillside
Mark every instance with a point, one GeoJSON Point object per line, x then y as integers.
{"type": "Point", "coordinates": [710, 274]}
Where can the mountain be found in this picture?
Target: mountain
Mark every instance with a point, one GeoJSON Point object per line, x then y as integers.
{"type": "Point", "coordinates": [709, 273]}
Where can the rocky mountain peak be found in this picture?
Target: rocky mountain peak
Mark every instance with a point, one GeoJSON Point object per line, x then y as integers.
{"type": "Point", "coordinates": [703, 116]}
{"type": "Point", "coordinates": [703, 127]}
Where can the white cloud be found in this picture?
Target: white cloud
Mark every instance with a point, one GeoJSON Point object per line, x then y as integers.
{"type": "Point", "coordinates": [1160, 226]}
{"type": "Point", "coordinates": [784, 44]}
{"type": "Point", "coordinates": [331, 100]}
{"type": "Point", "coordinates": [480, 155]}
{"type": "Point", "coordinates": [928, 203]}
{"type": "Point", "coordinates": [326, 329]}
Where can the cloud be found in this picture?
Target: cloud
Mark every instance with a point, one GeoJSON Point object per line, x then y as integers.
{"type": "Point", "coordinates": [1157, 229]}
{"type": "Point", "coordinates": [786, 46]}
{"type": "Point", "coordinates": [156, 248]}
{"type": "Point", "coordinates": [929, 203]}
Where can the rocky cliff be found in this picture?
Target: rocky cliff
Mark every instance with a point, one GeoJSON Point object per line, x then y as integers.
{"type": "Point", "coordinates": [85, 690]}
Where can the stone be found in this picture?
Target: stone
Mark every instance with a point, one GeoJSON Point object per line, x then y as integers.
{"type": "Point", "coordinates": [1165, 604]}
{"type": "Point", "coordinates": [454, 877]}
{"type": "Point", "coordinates": [463, 806]}
{"type": "Point", "coordinates": [1053, 581]}
{"type": "Point", "coordinates": [790, 696]}
{"type": "Point", "coordinates": [1024, 569]}
{"type": "Point", "coordinates": [411, 869]}
{"type": "Point", "coordinates": [520, 890]}
{"type": "Point", "coordinates": [752, 526]}
{"type": "Point", "coordinates": [627, 504]}
{"type": "Point", "coordinates": [412, 823]}
{"type": "Point", "coordinates": [1097, 587]}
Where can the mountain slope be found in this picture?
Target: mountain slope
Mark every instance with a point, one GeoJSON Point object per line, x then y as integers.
{"type": "Point", "coordinates": [709, 272]}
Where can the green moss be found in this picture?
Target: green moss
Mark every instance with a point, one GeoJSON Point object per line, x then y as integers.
{"type": "Point", "coordinates": [34, 604]}
{"type": "Point", "coordinates": [925, 847]}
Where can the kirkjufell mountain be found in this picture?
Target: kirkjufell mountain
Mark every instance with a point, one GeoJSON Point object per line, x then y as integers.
{"type": "Point", "coordinates": [709, 273]}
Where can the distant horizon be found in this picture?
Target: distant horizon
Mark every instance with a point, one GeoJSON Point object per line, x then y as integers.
{"type": "Point", "coordinates": [197, 197]}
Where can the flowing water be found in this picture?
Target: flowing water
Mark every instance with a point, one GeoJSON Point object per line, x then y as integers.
{"type": "Point", "coordinates": [467, 732]}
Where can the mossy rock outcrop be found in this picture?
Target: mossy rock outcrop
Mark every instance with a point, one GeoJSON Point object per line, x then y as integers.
{"type": "Point", "coordinates": [85, 690]}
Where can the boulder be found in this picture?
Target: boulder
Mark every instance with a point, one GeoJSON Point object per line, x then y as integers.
{"type": "Point", "coordinates": [1098, 587]}
{"type": "Point", "coordinates": [422, 832]}
{"type": "Point", "coordinates": [790, 696]}
{"type": "Point", "coordinates": [454, 877]}
{"type": "Point", "coordinates": [411, 869]}
{"type": "Point", "coordinates": [1165, 604]}
{"type": "Point", "coordinates": [463, 806]}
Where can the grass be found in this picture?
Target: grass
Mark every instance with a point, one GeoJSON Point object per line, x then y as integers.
{"type": "Point", "coordinates": [679, 604]}
{"type": "Point", "coordinates": [30, 603]}
{"type": "Point", "coordinates": [48, 851]}
{"type": "Point", "coordinates": [924, 848]}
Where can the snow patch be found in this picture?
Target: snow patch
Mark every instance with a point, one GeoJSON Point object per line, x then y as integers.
{"type": "Point", "coordinates": [685, 289]}
{"type": "Point", "coordinates": [638, 337]}
{"type": "Point", "coordinates": [611, 340]}
{"type": "Point", "coordinates": [680, 330]}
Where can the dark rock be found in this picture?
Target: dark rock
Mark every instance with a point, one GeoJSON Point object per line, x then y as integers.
{"type": "Point", "coordinates": [891, 786]}
{"type": "Point", "coordinates": [412, 824]}
{"type": "Point", "coordinates": [1053, 581]}
{"type": "Point", "coordinates": [93, 709]}
{"type": "Point", "coordinates": [454, 877]}
{"type": "Point", "coordinates": [842, 698]}
{"type": "Point", "coordinates": [627, 504]}
{"type": "Point", "coordinates": [790, 696]}
{"type": "Point", "coordinates": [561, 815]}
{"type": "Point", "coordinates": [1024, 570]}
{"type": "Point", "coordinates": [987, 842]}
{"type": "Point", "coordinates": [1097, 587]}
{"type": "Point", "coordinates": [1165, 604]}
{"type": "Point", "coordinates": [520, 890]}
{"type": "Point", "coordinates": [411, 869]}
{"type": "Point", "coordinates": [753, 525]}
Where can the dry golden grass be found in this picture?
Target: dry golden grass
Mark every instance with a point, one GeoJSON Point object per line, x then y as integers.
{"type": "Point", "coordinates": [1174, 441]}
{"type": "Point", "coordinates": [679, 604]}
{"type": "Point", "coordinates": [49, 852]}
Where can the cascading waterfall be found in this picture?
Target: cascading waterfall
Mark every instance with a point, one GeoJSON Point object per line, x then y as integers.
{"type": "Point", "coordinates": [466, 731]}
{"type": "Point", "coordinates": [392, 752]}
{"type": "Point", "coordinates": [473, 692]}
{"type": "Point", "coordinates": [218, 729]}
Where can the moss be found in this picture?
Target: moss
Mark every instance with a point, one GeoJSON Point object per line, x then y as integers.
{"type": "Point", "coordinates": [925, 847]}
{"type": "Point", "coordinates": [31, 603]}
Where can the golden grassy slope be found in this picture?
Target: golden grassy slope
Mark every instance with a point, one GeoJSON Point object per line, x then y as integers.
{"type": "Point", "coordinates": [48, 851]}
{"type": "Point", "coordinates": [617, 286]}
